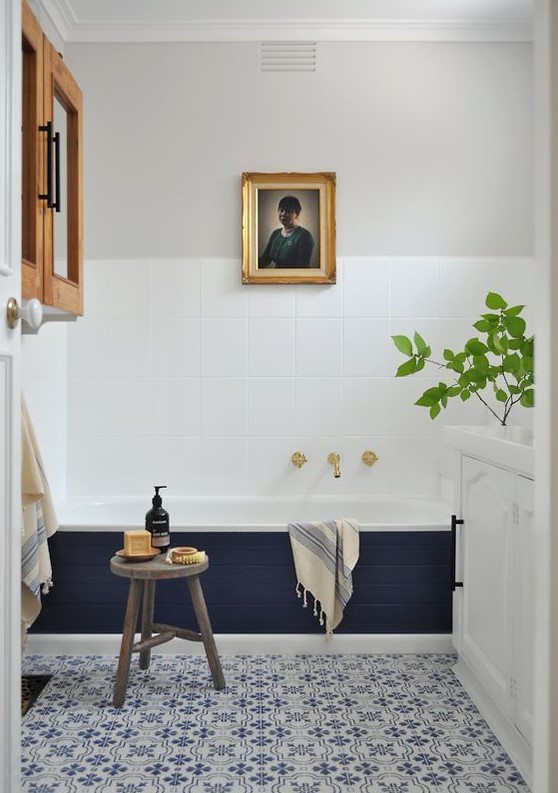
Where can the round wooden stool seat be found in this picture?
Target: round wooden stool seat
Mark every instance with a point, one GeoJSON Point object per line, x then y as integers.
{"type": "Point", "coordinates": [156, 569]}
{"type": "Point", "coordinates": [143, 577]}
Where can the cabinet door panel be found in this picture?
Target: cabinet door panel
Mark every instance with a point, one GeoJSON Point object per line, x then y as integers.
{"type": "Point", "coordinates": [52, 183]}
{"type": "Point", "coordinates": [487, 509]}
{"type": "Point", "coordinates": [63, 275]}
{"type": "Point", "coordinates": [524, 609]}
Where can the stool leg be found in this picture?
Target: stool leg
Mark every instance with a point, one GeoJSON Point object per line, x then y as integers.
{"type": "Point", "coordinates": [147, 621]}
{"type": "Point", "coordinates": [204, 624]}
{"type": "Point", "coordinates": [130, 622]}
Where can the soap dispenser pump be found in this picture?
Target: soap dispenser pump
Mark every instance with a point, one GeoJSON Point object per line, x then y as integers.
{"type": "Point", "coordinates": [157, 522]}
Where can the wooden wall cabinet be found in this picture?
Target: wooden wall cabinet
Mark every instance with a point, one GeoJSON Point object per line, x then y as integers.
{"type": "Point", "coordinates": [52, 181]}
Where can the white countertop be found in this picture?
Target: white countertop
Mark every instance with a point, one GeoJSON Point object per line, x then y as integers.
{"type": "Point", "coordinates": [508, 447]}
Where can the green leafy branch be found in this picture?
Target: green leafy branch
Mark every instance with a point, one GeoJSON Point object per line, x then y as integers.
{"type": "Point", "coordinates": [500, 358]}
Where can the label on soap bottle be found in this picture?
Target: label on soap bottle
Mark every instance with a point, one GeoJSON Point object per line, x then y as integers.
{"type": "Point", "coordinates": [160, 533]}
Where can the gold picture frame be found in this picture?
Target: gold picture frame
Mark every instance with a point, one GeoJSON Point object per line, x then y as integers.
{"type": "Point", "coordinates": [288, 228]}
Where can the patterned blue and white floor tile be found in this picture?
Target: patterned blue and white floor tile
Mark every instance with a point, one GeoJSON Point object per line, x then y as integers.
{"type": "Point", "coordinates": [284, 724]}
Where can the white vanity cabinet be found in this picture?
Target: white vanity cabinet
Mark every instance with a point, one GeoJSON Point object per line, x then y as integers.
{"type": "Point", "coordinates": [524, 610]}
{"type": "Point", "coordinates": [493, 596]}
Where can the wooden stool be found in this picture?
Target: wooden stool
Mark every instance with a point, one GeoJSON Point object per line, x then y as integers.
{"type": "Point", "coordinates": [143, 577]}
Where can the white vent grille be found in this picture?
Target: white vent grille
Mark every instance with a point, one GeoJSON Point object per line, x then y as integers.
{"type": "Point", "coordinates": [288, 56]}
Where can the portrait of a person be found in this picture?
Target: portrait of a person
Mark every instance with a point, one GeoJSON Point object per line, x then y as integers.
{"type": "Point", "coordinates": [291, 245]}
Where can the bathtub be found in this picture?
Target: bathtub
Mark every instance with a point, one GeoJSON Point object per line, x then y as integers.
{"type": "Point", "coordinates": [402, 590]}
{"type": "Point", "coordinates": [256, 514]}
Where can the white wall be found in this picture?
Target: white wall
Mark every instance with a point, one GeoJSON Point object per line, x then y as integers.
{"type": "Point", "coordinates": [178, 372]}
{"type": "Point", "coordinates": [44, 385]}
{"type": "Point", "coordinates": [431, 144]}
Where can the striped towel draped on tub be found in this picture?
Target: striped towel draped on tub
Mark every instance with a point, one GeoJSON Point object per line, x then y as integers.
{"type": "Point", "coordinates": [325, 555]}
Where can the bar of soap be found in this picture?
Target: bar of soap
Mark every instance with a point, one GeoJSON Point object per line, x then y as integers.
{"type": "Point", "coordinates": [137, 543]}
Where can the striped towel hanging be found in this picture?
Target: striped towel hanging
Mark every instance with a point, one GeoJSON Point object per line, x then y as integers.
{"type": "Point", "coordinates": [325, 555]}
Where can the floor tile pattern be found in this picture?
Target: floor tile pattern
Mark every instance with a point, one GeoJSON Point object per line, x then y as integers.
{"type": "Point", "coordinates": [284, 724]}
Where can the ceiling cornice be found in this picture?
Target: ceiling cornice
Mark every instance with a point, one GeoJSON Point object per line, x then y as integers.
{"type": "Point", "coordinates": [61, 15]}
{"type": "Point", "coordinates": [223, 30]}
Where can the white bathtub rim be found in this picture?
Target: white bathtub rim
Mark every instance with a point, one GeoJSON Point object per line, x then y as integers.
{"type": "Point", "coordinates": [251, 644]}
{"type": "Point", "coordinates": [248, 528]}
{"type": "Point", "coordinates": [373, 512]}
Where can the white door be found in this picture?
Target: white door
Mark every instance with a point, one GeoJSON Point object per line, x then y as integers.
{"type": "Point", "coordinates": [10, 460]}
{"type": "Point", "coordinates": [486, 631]}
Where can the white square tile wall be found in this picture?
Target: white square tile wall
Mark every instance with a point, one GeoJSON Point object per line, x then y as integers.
{"type": "Point", "coordinates": [319, 406]}
{"type": "Point", "coordinates": [224, 407]}
{"type": "Point", "coordinates": [212, 385]}
{"type": "Point", "coordinates": [177, 407]}
{"type": "Point", "coordinates": [176, 289]}
{"type": "Point", "coordinates": [223, 347]}
{"type": "Point", "coordinates": [44, 389]}
{"type": "Point", "coordinates": [128, 348]}
{"type": "Point", "coordinates": [271, 347]}
{"type": "Point", "coordinates": [129, 407]}
{"type": "Point", "coordinates": [319, 347]}
{"type": "Point", "coordinates": [271, 404]}
{"type": "Point", "coordinates": [413, 296]}
{"type": "Point", "coordinates": [367, 288]}
{"type": "Point", "coordinates": [176, 347]}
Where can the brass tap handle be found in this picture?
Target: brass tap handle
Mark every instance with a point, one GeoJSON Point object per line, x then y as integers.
{"type": "Point", "coordinates": [334, 459]}
{"type": "Point", "coordinates": [298, 459]}
{"type": "Point", "coordinates": [369, 457]}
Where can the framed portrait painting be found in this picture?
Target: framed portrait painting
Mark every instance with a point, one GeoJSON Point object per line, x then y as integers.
{"type": "Point", "coordinates": [288, 228]}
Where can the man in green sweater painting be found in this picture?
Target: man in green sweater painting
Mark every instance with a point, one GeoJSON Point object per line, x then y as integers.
{"type": "Point", "coordinates": [291, 245]}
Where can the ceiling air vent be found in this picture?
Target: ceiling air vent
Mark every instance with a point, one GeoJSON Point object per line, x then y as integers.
{"type": "Point", "coordinates": [288, 56]}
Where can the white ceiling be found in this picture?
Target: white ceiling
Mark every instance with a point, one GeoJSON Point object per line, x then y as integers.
{"type": "Point", "coordinates": [260, 20]}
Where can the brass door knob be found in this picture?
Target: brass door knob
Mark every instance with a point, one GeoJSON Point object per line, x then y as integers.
{"type": "Point", "coordinates": [31, 312]}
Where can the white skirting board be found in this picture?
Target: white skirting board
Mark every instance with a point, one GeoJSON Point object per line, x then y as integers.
{"type": "Point", "coordinates": [248, 644]}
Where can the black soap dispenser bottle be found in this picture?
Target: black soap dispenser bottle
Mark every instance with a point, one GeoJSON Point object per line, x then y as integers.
{"type": "Point", "coordinates": [157, 522]}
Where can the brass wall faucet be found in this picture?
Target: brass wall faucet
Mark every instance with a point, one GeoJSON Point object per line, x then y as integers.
{"type": "Point", "coordinates": [334, 459]}
{"type": "Point", "coordinates": [298, 459]}
{"type": "Point", "coordinates": [369, 457]}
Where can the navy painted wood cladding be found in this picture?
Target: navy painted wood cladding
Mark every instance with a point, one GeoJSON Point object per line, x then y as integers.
{"type": "Point", "coordinates": [401, 585]}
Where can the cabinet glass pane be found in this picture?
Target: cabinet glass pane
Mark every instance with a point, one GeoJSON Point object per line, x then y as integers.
{"type": "Point", "coordinates": [61, 217]}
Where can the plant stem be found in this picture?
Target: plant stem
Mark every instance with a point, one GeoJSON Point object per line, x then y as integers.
{"type": "Point", "coordinates": [484, 402]}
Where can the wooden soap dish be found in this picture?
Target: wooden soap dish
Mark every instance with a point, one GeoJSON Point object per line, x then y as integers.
{"type": "Point", "coordinates": [138, 557]}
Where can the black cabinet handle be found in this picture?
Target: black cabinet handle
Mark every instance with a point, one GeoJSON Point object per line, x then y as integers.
{"type": "Point", "coordinates": [455, 522]}
{"type": "Point", "coordinates": [48, 195]}
{"type": "Point", "coordinates": [56, 205]}
{"type": "Point", "coordinates": [52, 171]}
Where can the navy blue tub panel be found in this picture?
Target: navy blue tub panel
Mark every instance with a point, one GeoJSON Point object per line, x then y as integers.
{"type": "Point", "coordinates": [401, 585]}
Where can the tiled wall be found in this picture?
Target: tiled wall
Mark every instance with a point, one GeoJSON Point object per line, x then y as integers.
{"type": "Point", "coordinates": [179, 375]}
{"type": "Point", "coordinates": [44, 385]}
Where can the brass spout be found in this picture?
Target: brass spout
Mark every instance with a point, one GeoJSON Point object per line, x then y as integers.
{"type": "Point", "coordinates": [334, 459]}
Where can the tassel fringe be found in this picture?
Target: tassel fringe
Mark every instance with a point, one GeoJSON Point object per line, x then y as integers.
{"type": "Point", "coordinates": [318, 611]}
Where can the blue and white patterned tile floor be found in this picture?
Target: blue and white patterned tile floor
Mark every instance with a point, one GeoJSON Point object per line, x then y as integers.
{"type": "Point", "coordinates": [284, 724]}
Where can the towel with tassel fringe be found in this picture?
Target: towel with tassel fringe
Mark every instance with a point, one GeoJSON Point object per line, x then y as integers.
{"type": "Point", "coordinates": [38, 524]}
{"type": "Point", "coordinates": [324, 556]}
